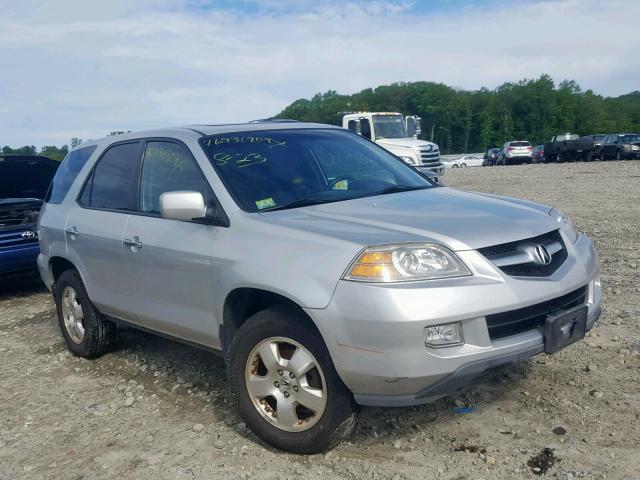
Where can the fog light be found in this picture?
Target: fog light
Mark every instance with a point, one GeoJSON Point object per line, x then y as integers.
{"type": "Point", "coordinates": [443, 335]}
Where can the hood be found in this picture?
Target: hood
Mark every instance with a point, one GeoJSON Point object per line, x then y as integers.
{"type": "Point", "coordinates": [6, 203]}
{"type": "Point", "coordinates": [26, 176]}
{"type": "Point", "coordinates": [406, 143]}
{"type": "Point", "coordinates": [457, 219]}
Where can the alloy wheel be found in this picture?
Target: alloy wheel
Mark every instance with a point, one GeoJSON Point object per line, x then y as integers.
{"type": "Point", "coordinates": [286, 384]}
{"type": "Point", "coordinates": [72, 314]}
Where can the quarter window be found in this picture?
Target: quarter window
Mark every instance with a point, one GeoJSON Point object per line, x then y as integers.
{"type": "Point", "coordinates": [169, 167]}
{"type": "Point", "coordinates": [67, 173]}
{"type": "Point", "coordinates": [113, 185]}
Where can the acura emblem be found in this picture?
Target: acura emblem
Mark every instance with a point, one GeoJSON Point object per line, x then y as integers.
{"type": "Point", "coordinates": [28, 235]}
{"type": "Point", "coordinates": [543, 257]}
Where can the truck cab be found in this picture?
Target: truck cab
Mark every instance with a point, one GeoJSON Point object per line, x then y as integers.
{"type": "Point", "coordinates": [399, 135]}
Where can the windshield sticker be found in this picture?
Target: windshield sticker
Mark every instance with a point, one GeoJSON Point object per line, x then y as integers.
{"type": "Point", "coordinates": [265, 203]}
{"type": "Point", "coordinates": [271, 142]}
{"type": "Point", "coordinates": [239, 159]}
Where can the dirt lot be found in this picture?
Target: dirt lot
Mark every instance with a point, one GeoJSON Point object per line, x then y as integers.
{"type": "Point", "coordinates": [67, 418]}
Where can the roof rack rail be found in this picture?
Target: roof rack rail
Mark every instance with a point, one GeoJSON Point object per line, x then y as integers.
{"type": "Point", "coordinates": [274, 120]}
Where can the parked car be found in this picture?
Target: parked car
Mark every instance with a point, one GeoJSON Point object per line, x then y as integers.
{"type": "Point", "coordinates": [597, 144]}
{"type": "Point", "coordinates": [490, 157]}
{"type": "Point", "coordinates": [24, 180]}
{"type": "Point", "coordinates": [568, 147]}
{"type": "Point", "coordinates": [620, 146]}
{"type": "Point", "coordinates": [304, 254]}
{"type": "Point", "coordinates": [519, 151]}
{"type": "Point", "coordinates": [467, 161]}
{"type": "Point", "coordinates": [538, 154]}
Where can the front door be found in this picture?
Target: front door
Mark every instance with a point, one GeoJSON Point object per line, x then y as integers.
{"type": "Point", "coordinates": [170, 262]}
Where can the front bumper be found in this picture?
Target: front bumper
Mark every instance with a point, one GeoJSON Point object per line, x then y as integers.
{"type": "Point", "coordinates": [19, 258]}
{"type": "Point", "coordinates": [375, 332]}
{"type": "Point", "coordinates": [432, 172]}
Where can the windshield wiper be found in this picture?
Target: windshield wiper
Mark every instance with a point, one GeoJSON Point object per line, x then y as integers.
{"type": "Point", "coordinates": [304, 202]}
{"type": "Point", "coordinates": [399, 188]}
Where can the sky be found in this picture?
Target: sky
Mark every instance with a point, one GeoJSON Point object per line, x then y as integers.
{"type": "Point", "coordinates": [78, 68]}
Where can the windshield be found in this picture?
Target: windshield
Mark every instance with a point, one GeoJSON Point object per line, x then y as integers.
{"type": "Point", "coordinates": [26, 176]}
{"type": "Point", "coordinates": [630, 138]}
{"type": "Point", "coordinates": [389, 126]}
{"type": "Point", "coordinates": [273, 169]}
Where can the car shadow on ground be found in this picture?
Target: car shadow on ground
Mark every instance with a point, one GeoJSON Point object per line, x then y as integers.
{"type": "Point", "coordinates": [205, 371]}
{"type": "Point", "coordinates": [19, 285]}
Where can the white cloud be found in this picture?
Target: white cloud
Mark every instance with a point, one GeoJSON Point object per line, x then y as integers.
{"type": "Point", "coordinates": [75, 68]}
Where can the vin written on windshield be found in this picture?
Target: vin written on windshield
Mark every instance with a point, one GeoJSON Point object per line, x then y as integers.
{"type": "Point", "coordinates": [300, 167]}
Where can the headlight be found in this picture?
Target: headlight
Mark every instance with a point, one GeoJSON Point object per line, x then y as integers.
{"type": "Point", "coordinates": [565, 224]}
{"type": "Point", "coordinates": [405, 263]}
{"type": "Point", "coordinates": [410, 160]}
{"type": "Point", "coordinates": [635, 147]}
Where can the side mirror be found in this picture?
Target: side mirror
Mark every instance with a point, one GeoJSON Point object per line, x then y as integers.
{"type": "Point", "coordinates": [182, 205]}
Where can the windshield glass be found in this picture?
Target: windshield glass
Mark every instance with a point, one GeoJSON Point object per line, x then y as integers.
{"type": "Point", "coordinates": [389, 126]}
{"type": "Point", "coordinates": [630, 138]}
{"type": "Point", "coordinates": [26, 176]}
{"type": "Point", "coordinates": [272, 169]}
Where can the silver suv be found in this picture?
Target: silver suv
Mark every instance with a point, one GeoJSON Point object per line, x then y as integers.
{"type": "Point", "coordinates": [519, 151]}
{"type": "Point", "coordinates": [327, 271]}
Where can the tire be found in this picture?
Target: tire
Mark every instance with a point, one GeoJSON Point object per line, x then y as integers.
{"type": "Point", "coordinates": [558, 158]}
{"type": "Point", "coordinates": [454, 166]}
{"type": "Point", "coordinates": [259, 410]}
{"type": "Point", "coordinates": [618, 155]}
{"type": "Point", "coordinates": [464, 165]}
{"type": "Point", "coordinates": [98, 334]}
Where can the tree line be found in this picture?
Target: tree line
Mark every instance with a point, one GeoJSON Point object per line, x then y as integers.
{"type": "Point", "coordinates": [463, 121]}
{"type": "Point", "coordinates": [51, 151]}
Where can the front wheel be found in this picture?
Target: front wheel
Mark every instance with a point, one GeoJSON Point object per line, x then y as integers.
{"type": "Point", "coordinates": [287, 389]}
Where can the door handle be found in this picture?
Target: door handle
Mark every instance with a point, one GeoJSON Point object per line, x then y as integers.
{"type": "Point", "coordinates": [72, 232]}
{"type": "Point", "coordinates": [132, 242]}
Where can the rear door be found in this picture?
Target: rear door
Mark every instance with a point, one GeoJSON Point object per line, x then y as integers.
{"type": "Point", "coordinates": [95, 227]}
{"type": "Point", "coordinates": [169, 261]}
{"type": "Point", "coordinates": [56, 208]}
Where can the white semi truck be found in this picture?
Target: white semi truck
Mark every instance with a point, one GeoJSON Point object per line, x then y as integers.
{"type": "Point", "coordinates": [399, 135]}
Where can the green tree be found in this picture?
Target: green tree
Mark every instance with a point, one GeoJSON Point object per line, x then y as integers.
{"type": "Point", "coordinates": [471, 121]}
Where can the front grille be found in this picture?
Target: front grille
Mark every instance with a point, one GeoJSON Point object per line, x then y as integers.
{"type": "Point", "coordinates": [504, 324]}
{"type": "Point", "coordinates": [15, 238]}
{"type": "Point", "coordinates": [431, 164]}
{"type": "Point", "coordinates": [502, 253]}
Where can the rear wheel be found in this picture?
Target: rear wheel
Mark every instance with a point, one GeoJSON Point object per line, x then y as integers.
{"type": "Point", "coordinates": [618, 155]}
{"type": "Point", "coordinates": [287, 389]}
{"type": "Point", "coordinates": [85, 331]}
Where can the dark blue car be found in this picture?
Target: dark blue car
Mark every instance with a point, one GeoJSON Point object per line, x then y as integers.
{"type": "Point", "coordinates": [24, 180]}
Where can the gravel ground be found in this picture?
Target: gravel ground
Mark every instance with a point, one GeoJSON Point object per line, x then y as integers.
{"type": "Point", "coordinates": [154, 409]}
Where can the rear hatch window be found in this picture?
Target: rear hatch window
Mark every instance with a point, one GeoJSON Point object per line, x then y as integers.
{"type": "Point", "coordinates": [520, 144]}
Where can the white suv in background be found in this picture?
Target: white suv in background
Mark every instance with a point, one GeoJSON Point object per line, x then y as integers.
{"type": "Point", "coordinates": [518, 151]}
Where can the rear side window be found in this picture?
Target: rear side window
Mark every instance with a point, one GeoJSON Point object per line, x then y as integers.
{"type": "Point", "coordinates": [67, 173]}
{"type": "Point", "coordinates": [169, 167]}
{"type": "Point", "coordinates": [114, 182]}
